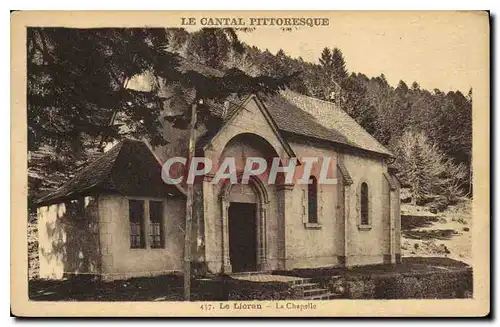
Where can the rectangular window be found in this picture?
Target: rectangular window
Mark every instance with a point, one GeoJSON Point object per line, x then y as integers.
{"type": "Point", "coordinates": [156, 238]}
{"type": "Point", "coordinates": [136, 218]}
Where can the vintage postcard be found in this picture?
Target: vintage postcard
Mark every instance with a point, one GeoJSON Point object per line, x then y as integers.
{"type": "Point", "coordinates": [214, 164]}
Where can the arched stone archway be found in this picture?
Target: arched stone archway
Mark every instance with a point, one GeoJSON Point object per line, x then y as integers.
{"type": "Point", "coordinates": [260, 199]}
{"type": "Point", "coordinates": [242, 146]}
{"type": "Point", "coordinates": [217, 199]}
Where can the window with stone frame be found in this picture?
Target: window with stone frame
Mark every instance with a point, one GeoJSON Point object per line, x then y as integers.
{"type": "Point", "coordinates": [365, 219]}
{"type": "Point", "coordinates": [312, 199]}
{"type": "Point", "coordinates": [156, 236]}
{"type": "Point", "coordinates": [136, 219]}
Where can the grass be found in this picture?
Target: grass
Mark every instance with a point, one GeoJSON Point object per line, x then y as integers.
{"type": "Point", "coordinates": [223, 288]}
{"type": "Point", "coordinates": [408, 266]}
{"type": "Point", "coordinates": [157, 288]}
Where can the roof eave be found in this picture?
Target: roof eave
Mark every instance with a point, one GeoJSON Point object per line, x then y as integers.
{"type": "Point", "coordinates": [341, 145]}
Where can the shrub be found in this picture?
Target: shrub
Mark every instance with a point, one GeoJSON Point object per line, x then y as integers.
{"type": "Point", "coordinates": [422, 285]}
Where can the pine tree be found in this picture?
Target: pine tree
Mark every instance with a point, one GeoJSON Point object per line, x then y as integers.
{"type": "Point", "coordinates": [427, 170]}
{"type": "Point", "coordinates": [402, 88]}
{"type": "Point", "coordinates": [339, 70]}
{"type": "Point", "coordinates": [212, 46]}
{"type": "Point", "coordinates": [357, 105]}
{"type": "Point", "coordinates": [333, 74]}
{"type": "Point", "coordinates": [326, 60]}
{"type": "Point", "coordinates": [280, 54]}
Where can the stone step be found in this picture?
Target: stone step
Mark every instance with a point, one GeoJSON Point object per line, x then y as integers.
{"type": "Point", "coordinates": [251, 273]}
{"type": "Point", "coordinates": [315, 292]}
{"type": "Point", "coordinates": [262, 277]}
{"type": "Point", "coordinates": [300, 281]}
{"type": "Point", "coordinates": [304, 286]}
{"type": "Point", "coordinates": [324, 296]}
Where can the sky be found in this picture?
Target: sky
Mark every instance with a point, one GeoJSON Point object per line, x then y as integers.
{"type": "Point", "coordinates": [438, 50]}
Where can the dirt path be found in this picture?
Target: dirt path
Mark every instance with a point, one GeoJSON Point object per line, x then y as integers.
{"type": "Point", "coordinates": [446, 234]}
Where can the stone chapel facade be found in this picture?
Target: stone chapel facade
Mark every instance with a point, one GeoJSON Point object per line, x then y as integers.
{"type": "Point", "coordinates": [127, 228]}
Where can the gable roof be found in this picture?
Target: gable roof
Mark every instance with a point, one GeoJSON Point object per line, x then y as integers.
{"type": "Point", "coordinates": [233, 111]}
{"type": "Point", "coordinates": [323, 120]}
{"type": "Point", "coordinates": [298, 114]}
{"type": "Point", "coordinates": [129, 168]}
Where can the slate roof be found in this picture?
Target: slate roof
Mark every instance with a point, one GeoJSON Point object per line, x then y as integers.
{"type": "Point", "coordinates": [342, 127]}
{"type": "Point", "coordinates": [302, 115]}
{"type": "Point", "coordinates": [129, 168]}
{"type": "Point", "coordinates": [291, 118]}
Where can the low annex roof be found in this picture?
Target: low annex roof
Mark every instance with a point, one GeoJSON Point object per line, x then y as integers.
{"type": "Point", "coordinates": [128, 168]}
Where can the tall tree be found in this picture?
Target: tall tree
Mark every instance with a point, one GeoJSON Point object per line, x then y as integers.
{"type": "Point", "coordinates": [339, 70]}
{"type": "Point", "coordinates": [77, 80]}
{"type": "Point", "coordinates": [326, 60]}
{"type": "Point", "coordinates": [333, 74]}
{"type": "Point", "coordinates": [469, 95]}
{"type": "Point", "coordinates": [212, 46]}
{"type": "Point", "coordinates": [402, 88]}
{"type": "Point", "coordinates": [76, 86]}
{"type": "Point", "coordinates": [357, 105]}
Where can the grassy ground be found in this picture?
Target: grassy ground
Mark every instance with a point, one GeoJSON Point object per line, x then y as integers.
{"type": "Point", "coordinates": [410, 265]}
{"type": "Point", "coordinates": [158, 288]}
{"type": "Point", "coordinates": [446, 234]}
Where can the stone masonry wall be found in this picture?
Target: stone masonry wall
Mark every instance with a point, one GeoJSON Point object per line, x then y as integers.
{"type": "Point", "coordinates": [367, 244]}
{"type": "Point", "coordinates": [68, 238]}
{"type": "Point", "coordinates": [119, 260]}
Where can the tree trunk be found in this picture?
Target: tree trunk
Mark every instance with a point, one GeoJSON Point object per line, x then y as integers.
{"type": "Point", "coordinates": [189, 209]}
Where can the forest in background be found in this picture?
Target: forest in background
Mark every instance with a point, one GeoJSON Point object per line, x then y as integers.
{"type": "Point", "coordinates": [429, 131]}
